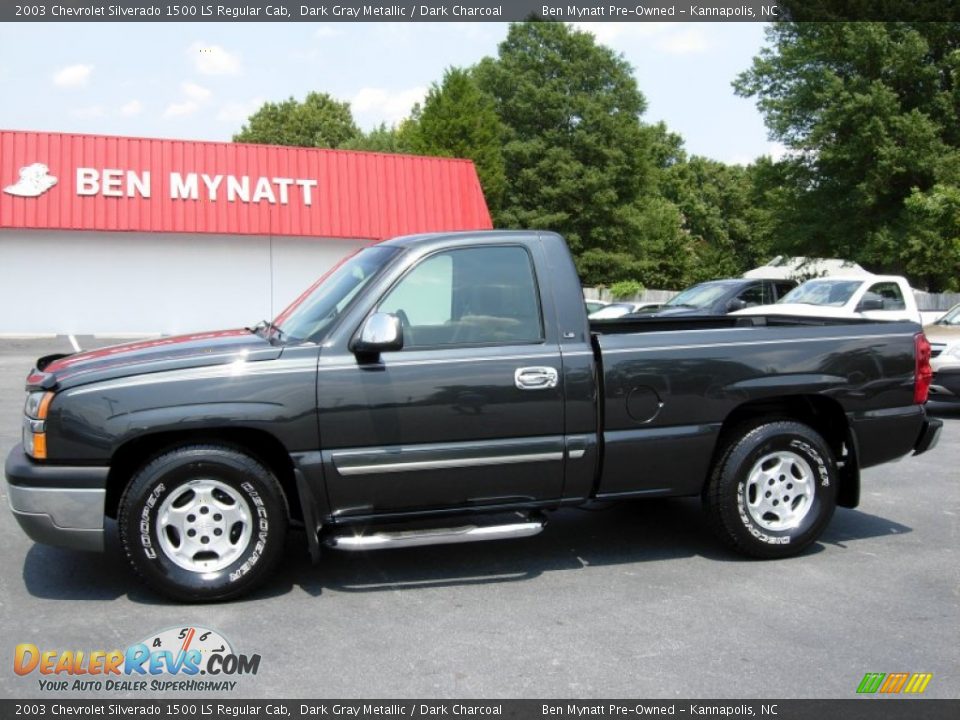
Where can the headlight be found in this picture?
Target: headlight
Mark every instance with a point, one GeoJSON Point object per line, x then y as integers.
{"type": "Point", "coordinates": [953, 351]}
{"type": "Point", "coordinates": [38, 403]}
{"type": "Point", "coordinates": [34, 424]}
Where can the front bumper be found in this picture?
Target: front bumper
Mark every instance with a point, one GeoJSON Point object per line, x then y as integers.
{"type": "Point", "coordinates": [57, 504]}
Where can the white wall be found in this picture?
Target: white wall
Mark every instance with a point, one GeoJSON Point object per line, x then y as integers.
{"type": "Point", "coordinates": [130, 283]}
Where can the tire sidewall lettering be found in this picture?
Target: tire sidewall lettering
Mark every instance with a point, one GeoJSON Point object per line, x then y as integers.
{"type": "Point", "coordinates": [819, 465]}
{"type": "Point", "coordinates": [145, 524]}
{"type": "Point", "coordinates": [263, 529]}
{"type": "Point", "coordinates": [147, 528]}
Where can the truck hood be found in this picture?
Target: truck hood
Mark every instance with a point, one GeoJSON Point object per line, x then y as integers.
{"type": "Point", "coordinates": [135, 358]}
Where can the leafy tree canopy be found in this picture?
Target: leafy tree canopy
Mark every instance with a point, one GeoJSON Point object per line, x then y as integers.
{"type": "Point", "coordinates": [397, 139]}
{"type": "Point", "coordinates": [319, 121]}
{"type": "Point", "coordinates": [871, 113]}
{"type": "Point", "coordinates": [721, 212]}
{"type": "Point", "coordinates": [575, 153]}
{"type": "Point", "coordinates": [459, 120]}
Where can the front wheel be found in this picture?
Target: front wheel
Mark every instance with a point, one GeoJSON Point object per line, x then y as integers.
{"type": "Point", "coordinates": [203, 522]}
{"type": "Point", "coordinates": [773, 490]}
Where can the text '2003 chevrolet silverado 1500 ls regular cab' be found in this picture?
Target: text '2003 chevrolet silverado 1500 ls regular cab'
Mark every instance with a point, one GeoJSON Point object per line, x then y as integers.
{"type": "Point", "coordinates": [428, 383]}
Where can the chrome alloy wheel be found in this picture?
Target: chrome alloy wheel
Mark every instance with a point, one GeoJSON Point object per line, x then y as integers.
{"type": "Point", "coordinates": [204, 525]}
{"type": "Point", "coordinates": [779, 490]}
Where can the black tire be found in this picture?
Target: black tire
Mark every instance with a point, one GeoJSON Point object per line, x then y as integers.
{"type": "Point", "coordinates": [745, 518]}
{"type": "Point", "coordinates": [251, 554]}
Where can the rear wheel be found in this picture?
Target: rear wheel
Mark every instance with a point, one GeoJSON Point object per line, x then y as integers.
{"type": "Point", "coordinates": [203, 522]}
{"type": "Point", "coordinates": [773, 490]}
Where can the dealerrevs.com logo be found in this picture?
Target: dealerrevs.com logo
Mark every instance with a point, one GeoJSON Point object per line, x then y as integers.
{"type": "Point", "coordinates": [174, 660]}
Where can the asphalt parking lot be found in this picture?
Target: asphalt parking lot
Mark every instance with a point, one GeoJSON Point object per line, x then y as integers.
{"type": "Point", "coordinates": [635, 600]}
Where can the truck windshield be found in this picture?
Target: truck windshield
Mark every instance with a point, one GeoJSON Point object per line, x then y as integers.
{"type": "Point", "coordinates": [831, 293]}
{"type": "Point", "coordinates": [699, 296]}
{"type": "Point", "coordinates": [312, 314]}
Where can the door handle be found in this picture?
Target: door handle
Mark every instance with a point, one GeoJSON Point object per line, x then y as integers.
{"type": "Point", "coordinates": [536, 378]}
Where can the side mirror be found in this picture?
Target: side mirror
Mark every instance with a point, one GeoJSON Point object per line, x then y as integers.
{"type": "Point", "coordinates": [870, 302]}
{"type": "Point", "coordinates": [736, 304]}
{"type": "Point", "coordinates": [381, 332]}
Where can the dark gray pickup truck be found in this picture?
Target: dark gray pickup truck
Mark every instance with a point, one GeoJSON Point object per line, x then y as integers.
{"type": "Point", "coordinates": [449, 388]}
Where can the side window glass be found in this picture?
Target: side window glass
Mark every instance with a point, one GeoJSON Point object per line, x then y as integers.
{"type": "Point", "coordinates": [768, 297]}
{"type": "Point", "coordinates": [472, 296]}
{"type": "Point", "coordinates": [425, 296]}
{"type": "Point", "coordinates": [783, 289]}
{"type": "Point", "coordinates": [891, 295]}
{"type": "Point", "coordinates": [752, 296]}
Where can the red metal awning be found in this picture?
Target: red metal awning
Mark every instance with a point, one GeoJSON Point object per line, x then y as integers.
{"type": "Point", "coordinates": [93, 182]}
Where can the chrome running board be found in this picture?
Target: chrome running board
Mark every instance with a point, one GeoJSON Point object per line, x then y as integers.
{"type": "Point", "coordinates": [435, 536]}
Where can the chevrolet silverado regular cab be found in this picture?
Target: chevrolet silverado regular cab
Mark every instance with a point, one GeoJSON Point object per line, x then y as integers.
{"type": "Point", "coordinates": [449, 388]}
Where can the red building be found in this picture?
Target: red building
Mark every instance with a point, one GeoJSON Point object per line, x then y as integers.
{"type": "Point", "coordinates": [115, 235]}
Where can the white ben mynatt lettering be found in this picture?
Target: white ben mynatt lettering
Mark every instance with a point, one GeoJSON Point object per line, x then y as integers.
{"type": "Point", "coordinates": [237, 189]}
{"type": "Point", "coordinates": [212, 184]}
{"type": "Point", "coordinates": [183, 188]}
{"type": "Point", "coordinates": [88, 181]}
{"type": "Point", "coordinates": [264, 191]}
{"type": "Point", "coordinates": [283, 184]}
{"type": "Point", "coordinates": [113, 183]}
{"type": "Point", "coordinates": [307, 186]}
{"type": "Point", "coordinates": [240, 188]}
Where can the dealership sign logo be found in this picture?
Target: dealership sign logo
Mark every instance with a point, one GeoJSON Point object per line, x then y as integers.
{"type": "Point", "coordinates": [169, 661]}
{"type": "Point", "coordinates": [34, 181]}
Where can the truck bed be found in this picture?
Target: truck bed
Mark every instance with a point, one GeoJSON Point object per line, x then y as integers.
{"type": "Point", "coordinates": [670, 387]}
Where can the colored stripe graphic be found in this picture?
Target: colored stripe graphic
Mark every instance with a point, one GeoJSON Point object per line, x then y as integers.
{"type": "Point", "coordinates": [894, 683]}
{"type": "Point", "coordinates": [918, 682]}
{"type": "Point", "coordinates": [870, 683]}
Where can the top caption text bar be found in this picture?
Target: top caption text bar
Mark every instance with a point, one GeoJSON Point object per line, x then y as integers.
{"type": "Point", "coordinates": [473, 11]}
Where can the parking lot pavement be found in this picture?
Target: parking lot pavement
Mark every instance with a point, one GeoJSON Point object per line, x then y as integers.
{"type": "Point", "coordinates": [630, 600]}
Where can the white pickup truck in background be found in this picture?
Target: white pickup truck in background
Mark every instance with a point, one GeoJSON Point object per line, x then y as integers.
{"type": "Point", "coordinates": [875, 297]}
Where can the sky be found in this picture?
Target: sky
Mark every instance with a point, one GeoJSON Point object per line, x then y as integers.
{"type": "Point", "coordinates": [201, 81]}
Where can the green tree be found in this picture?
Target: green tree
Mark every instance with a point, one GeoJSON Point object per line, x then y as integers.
{"type": "Point", "coordinates": [626, 289]}
{"type": "Point", "coordinates": [871, 115]}
{"type": "Point", "coordinates": [577, 158]}
{"type": "Point", "coordinates": [319, 121]}
{"type": "Point", "coordinates": [932, 248]}
{"type": "Point", "coordinates": [458, 120]}
{"type": "Point", "coordinates": [396, 139]}
{"type": "Point", "coordinates": [720, 212]}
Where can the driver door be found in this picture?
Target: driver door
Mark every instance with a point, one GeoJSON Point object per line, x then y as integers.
{"type": "Point", "coordinates": [469, 413]}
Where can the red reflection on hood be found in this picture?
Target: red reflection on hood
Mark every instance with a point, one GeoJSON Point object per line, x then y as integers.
{"type": "Point", "coordinates": [111, 350]}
